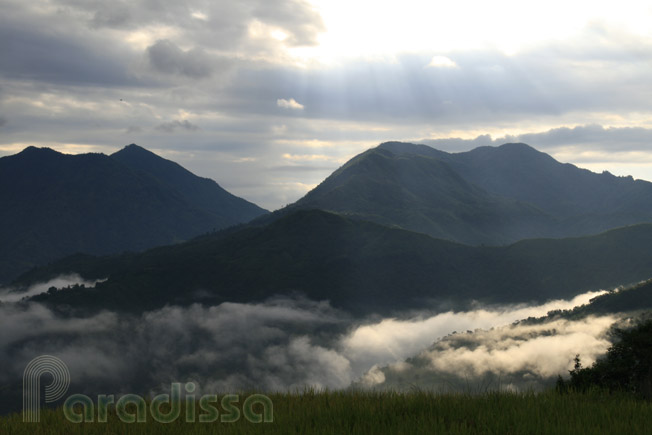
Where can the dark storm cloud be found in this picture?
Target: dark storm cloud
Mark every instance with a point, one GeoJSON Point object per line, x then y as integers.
{"type": "Point", "coordinates": [3, 121]}
{"type": "Point", "coordinates": [170, 127]}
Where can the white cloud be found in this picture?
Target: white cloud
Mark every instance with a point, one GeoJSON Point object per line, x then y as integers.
{"type": "Point", "coordinates": [392, 340]}
{"type": "Point", "coordinates": [283, 344]}
{"type": "Point", "coordinates": [516, 357]}
{"type": "Point", "coordinates": [289, 104]}
{"type": "Point", "coordinates": [441, 62]}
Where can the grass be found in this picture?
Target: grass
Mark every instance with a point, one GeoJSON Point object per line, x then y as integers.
{"type": "Point", "coordinates": [396, 413]}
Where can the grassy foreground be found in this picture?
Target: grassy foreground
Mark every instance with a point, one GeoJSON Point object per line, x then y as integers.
{"type": "Point", "coordinates": [396, 413]}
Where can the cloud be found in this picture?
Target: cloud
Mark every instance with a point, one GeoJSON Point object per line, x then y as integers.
{"type": "Point", "coordinates": [309, 157]}
{"type": "Point", "coordinates": [63, 75]}
{"type": "Point", "coordinates": [289, 104]}
{"type": "Point", "coordinates": [441, 62]}
{"type": "Point", "coordinates": [393, 339]}
{"type": "Point", "coordinates": [133, 129]}
{"type": "Point", "coordinates": [283, 344]}
{"type": "Point", "coordinates": [168, 58]}
{"type": "Point", "coordinates": [516, 357]}
{"type": "Point", "coordinates": [117, 15]}
{"type": "Point", "coordinates": [171, 126]}
{"type": "Point", "coordinates": [38, 48]}
{"type": "Point", "coordinates": [230, 347]}
{"type": "Point", "coordinates": [3, 121]}
{"type": "Point", "coordinates": [590, 137]}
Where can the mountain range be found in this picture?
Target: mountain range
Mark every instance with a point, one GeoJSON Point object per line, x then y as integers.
{"type": "Point", "coordinates": [398, 227]}
{"type": "Point", "coordinates": [489, 195]}
{"type": "Point", "coordinates": [56, 204]}
{"type": "Point", "coordinates": [359, 266]}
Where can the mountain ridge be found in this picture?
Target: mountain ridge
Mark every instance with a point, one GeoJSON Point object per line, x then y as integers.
{"type": "Point", "coordinates": [503, 194]}
{"type": "Point", "coordinates": [360, 266]}
{"type": "Point", "coordinates": [56, 204]}
{"type": "Point", "coordinates": [202, 192]}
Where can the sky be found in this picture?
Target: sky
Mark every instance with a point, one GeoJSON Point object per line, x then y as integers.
{"type": "Point", "coordinates": [268, 97]}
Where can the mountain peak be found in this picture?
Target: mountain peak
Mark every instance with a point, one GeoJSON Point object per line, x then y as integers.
{"type": "Point", "coordinates": [517, 146]}
{"type": "Point", "coordinates": [40, 151]}
{"type": "Point", "coordinates": [410, 148]}
{"type": "Point", "coordinates": [516, 153]}
{"type": "Point", "coordinates": [133, 149]}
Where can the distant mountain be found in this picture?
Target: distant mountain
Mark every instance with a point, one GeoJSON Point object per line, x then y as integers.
{"type": "Point", "coordinates": [579, 201]}
{"type": "Point", "coordinates": [424, 193]}
{"type": "Point", "coordinates": [361, 267]}
{"type": "Point", "coordinates": [55, 204]}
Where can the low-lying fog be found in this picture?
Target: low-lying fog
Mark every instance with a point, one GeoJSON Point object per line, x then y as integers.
{"type": "Point", "coordinates": [289, 344]}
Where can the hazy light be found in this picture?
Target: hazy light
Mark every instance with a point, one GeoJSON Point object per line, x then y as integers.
{"type": "Point", "coordinates": [441, 62]}
{"type": "Point", "coordinates": [372, 28]}
{"type": "Point", "coordinates": [199, 15]}
{"type": "Point", "coordinates": [145, 36]}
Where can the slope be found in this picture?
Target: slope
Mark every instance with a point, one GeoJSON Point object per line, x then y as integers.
{"type": "Point", "coordinates": [202, 193]}
{"type": "Point", "coordinates": [424, 194]}
{"type": "Point", "coordinates": [359, 266]}
{"type": "Point", "coordinates": [582, 201]}
{"type": "Point", "coordinates": [56, 204]}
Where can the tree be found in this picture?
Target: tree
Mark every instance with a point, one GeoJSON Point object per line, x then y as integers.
{"type": "Point", "coordinates": [627, 366]}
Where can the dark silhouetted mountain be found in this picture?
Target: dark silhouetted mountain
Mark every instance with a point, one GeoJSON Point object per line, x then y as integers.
{"type": "Point", "coordinates": [55, 204]}
{"type": "Point", "coordinates": [424, 193]}
{"type": "Point", "coordinates": [359, 266]}
{"type": "Point", "coordinates": [580, 201]}
{"type": "Point", "coordinates": [202, 193]}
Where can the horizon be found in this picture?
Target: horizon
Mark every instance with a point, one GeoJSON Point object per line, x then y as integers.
{"type": "Point", "coordinates": [108, 152]}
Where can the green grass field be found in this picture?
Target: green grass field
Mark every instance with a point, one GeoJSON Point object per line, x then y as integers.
{"type": "Point", "coordinates": [396, 413]}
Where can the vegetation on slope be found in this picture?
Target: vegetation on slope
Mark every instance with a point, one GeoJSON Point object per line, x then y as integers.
{"type": "Point", "coordinates": [359, 266]}
{"type": "Point", "coordinates": [627, 366]}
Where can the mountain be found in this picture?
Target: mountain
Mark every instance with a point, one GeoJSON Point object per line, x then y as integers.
{"type": "Point", "coordinates": [424, 193]}
{"type": "Point", "coordinates": [56, 204]}
{"type": "Point", "coordinates": [634, 299]}
{"type": "Point", "coordinates": [580, 201]}
{"type": "Point", "coordinates": [361, 267]}
{"type": "Point", "coordinates": [202, 193]}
